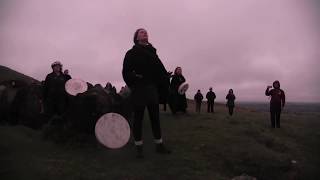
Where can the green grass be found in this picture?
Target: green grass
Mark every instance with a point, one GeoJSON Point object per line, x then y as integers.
{"type": "Point", "coordinates": [205, 146]}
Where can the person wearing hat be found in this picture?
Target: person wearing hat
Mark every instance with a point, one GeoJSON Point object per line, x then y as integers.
{"type": "Point", "coordinates": [211, 96]}
{"type": "Point", "coordinates": [277, 102]}
{"type": "Point", "coordinates": [177, 102]}
{"type": "Point", "coordinates": [54, 94]}
{"type": "Point", "coordinates": [198, 100]}
{"type": "Point", "coordinates": [148, 80]}
{"type": "Point", "coordinates": [230, 101]}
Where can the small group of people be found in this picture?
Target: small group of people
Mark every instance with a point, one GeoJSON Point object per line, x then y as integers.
{"type": "Point", "coordinates": [149, 84]}
{"type": "Point", "coordinates": [211, 96]}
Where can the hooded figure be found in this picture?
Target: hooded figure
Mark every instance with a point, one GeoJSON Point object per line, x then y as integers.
{"type": "Point", "coordinates": [277, 102]}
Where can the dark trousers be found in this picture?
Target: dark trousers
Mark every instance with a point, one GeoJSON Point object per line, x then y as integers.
{"type": "Point", "coordinates": [210, 106]}
{"type": "Point", "coordinates": [230, 110]}
{"type": "Point", "coordinates": [55, 106]}
{"type": "Point", "coordinates": [198, 107]}
{"type": "Point", "coordinates": [153, 110]}
{"type": "Point", "coordinates": [275, 118]}
{"type": "Point", "coordinates": [165, 107]}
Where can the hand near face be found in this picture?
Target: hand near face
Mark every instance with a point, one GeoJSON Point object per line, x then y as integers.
{"type": "Point", "coordinates": [269, 87]}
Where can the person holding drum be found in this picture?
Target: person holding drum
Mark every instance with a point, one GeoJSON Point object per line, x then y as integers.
{"type": "Point", "coordinates": [177, 101]}
{"type": "Point", "coordinates": [54, 94]}
{"type": "Point", "coordinates": [147, 78]}
{"type": "Point", "coordinates": [277, 102]}
{"type": "Point", "coordinates": [230, 101]}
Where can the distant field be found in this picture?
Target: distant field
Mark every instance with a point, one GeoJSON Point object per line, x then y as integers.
{"type": "Point", "coordinates": [290, 107]}
{"type": "Point", "coordinates": [205, 146]}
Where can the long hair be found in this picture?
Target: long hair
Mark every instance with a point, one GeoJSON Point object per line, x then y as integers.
{"type": "Point", "coordinates": [136, 35]}
{"type": "Point", "coordinates": [175, 70]}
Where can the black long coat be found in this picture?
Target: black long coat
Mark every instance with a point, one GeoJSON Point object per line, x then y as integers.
{"type": "Point", "coordinates": [177, 101]}
{"type": "Point", "coordinates": [144, 61]}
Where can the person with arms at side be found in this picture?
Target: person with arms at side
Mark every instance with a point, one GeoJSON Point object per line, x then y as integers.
{"type": "Point", "coordinates": [198, 100]}
{"type": "Point", "coordinates": [211, 96]}
{"type": "Point", "coordinates": [148, 80]}
{"type": "Point", "coordinates": [230, 101]}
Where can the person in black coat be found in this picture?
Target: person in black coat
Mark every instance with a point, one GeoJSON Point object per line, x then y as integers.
{"type": "Point", "coordinates": [54, 94]}
{"type": "Point", "coordinates": [177, 102]}
{"type": "Point", "coordinates": [148, 80]}
{"type": "Point", "coordinates": [277, 102]}
{"type": "Point", "coordinates": [230, 101]}
{"type": "Point", "coordinates": [198, 100]}
{"type": "Point", "coordinates": [66, 73]}
{"type": "Point", "coordinates": [211, 96]}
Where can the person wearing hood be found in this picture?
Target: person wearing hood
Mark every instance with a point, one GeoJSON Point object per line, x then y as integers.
{"type": "Point", "coordinates": [54, 94]}
{"type": "Point", "coordinates": [277, 103]}
{"type": "Point", "coordinates": [148, 80]}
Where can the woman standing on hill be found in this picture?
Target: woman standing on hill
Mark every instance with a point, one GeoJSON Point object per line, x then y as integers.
{"type": "Point", "coordinates": [177, 101]}
{"type": "Point", "coordinates": [277, 103]}
{"type": "Point", "coordinates": [230, 101]}
{"type": "Point", "coordinates": [148, 80]}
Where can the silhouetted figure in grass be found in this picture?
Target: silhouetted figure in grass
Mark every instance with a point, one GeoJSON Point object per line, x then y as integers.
{"type": "Point", "coordinates": [211, 96]}
{"type": "Point", "coordinates": [198, 100]}
{"type": "Point", "coordinates": [230, 101]}
{"type": "Point", "coordinates": [277, 103]}
{"type": "Point", "coordinates": [148, 80]}
{"type": "Point", "coordinates": [54, 94]}
{"type": "Point", "coordinates": [177, 102]}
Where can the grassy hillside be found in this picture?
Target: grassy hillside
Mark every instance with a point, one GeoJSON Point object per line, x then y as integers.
{"type": "Point", "coordinates": [205, 146]}
{"type": "Point", "coordinates": [7, 74]}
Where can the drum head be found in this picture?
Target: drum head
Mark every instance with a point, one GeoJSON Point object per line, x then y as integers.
{"type": "Point", "coordinates": [183, 88]}
{"type": "Point", "coordinates": [75, 86]}
{"type": "Point", "coordinates": [112, 130]}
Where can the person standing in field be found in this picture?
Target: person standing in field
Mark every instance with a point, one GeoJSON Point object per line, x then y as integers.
{"type": "Point", "coordinates": [148, 80]}
{"type": "Point", "coordinates": [177, 102]}
{"type": "Point", "coordinates": [211, 96]}
{"type": "Point", "coordinates": [277, 103]}
{"type": "Point", "coordinates": [198, 100]}
{"type": "Point", "coordinates": [54, 94]}
{"type": "Point", "coordinates": [230, 101]}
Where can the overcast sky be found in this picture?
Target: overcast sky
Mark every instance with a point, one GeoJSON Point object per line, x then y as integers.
{"type": "Point", "coordinates": [239, 44]}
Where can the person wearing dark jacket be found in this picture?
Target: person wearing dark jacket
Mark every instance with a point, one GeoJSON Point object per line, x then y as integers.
{"type": "Point", "coordinates": [211, 96]}
{"type": "Point", "coordinates": [66, 73]}
{"type": "Point", "coordinates": [277, 102]}
{"type": "Point", "coordinates": [148, 80]}
{"type": "Point", "coordinates": [198, 100]}
{"type": "Point", "coordinates": [54, 94]}
{"type": "Point", "coordinates": [177, 102]}
{"type": "Point", "coordinates": [230, 101]}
